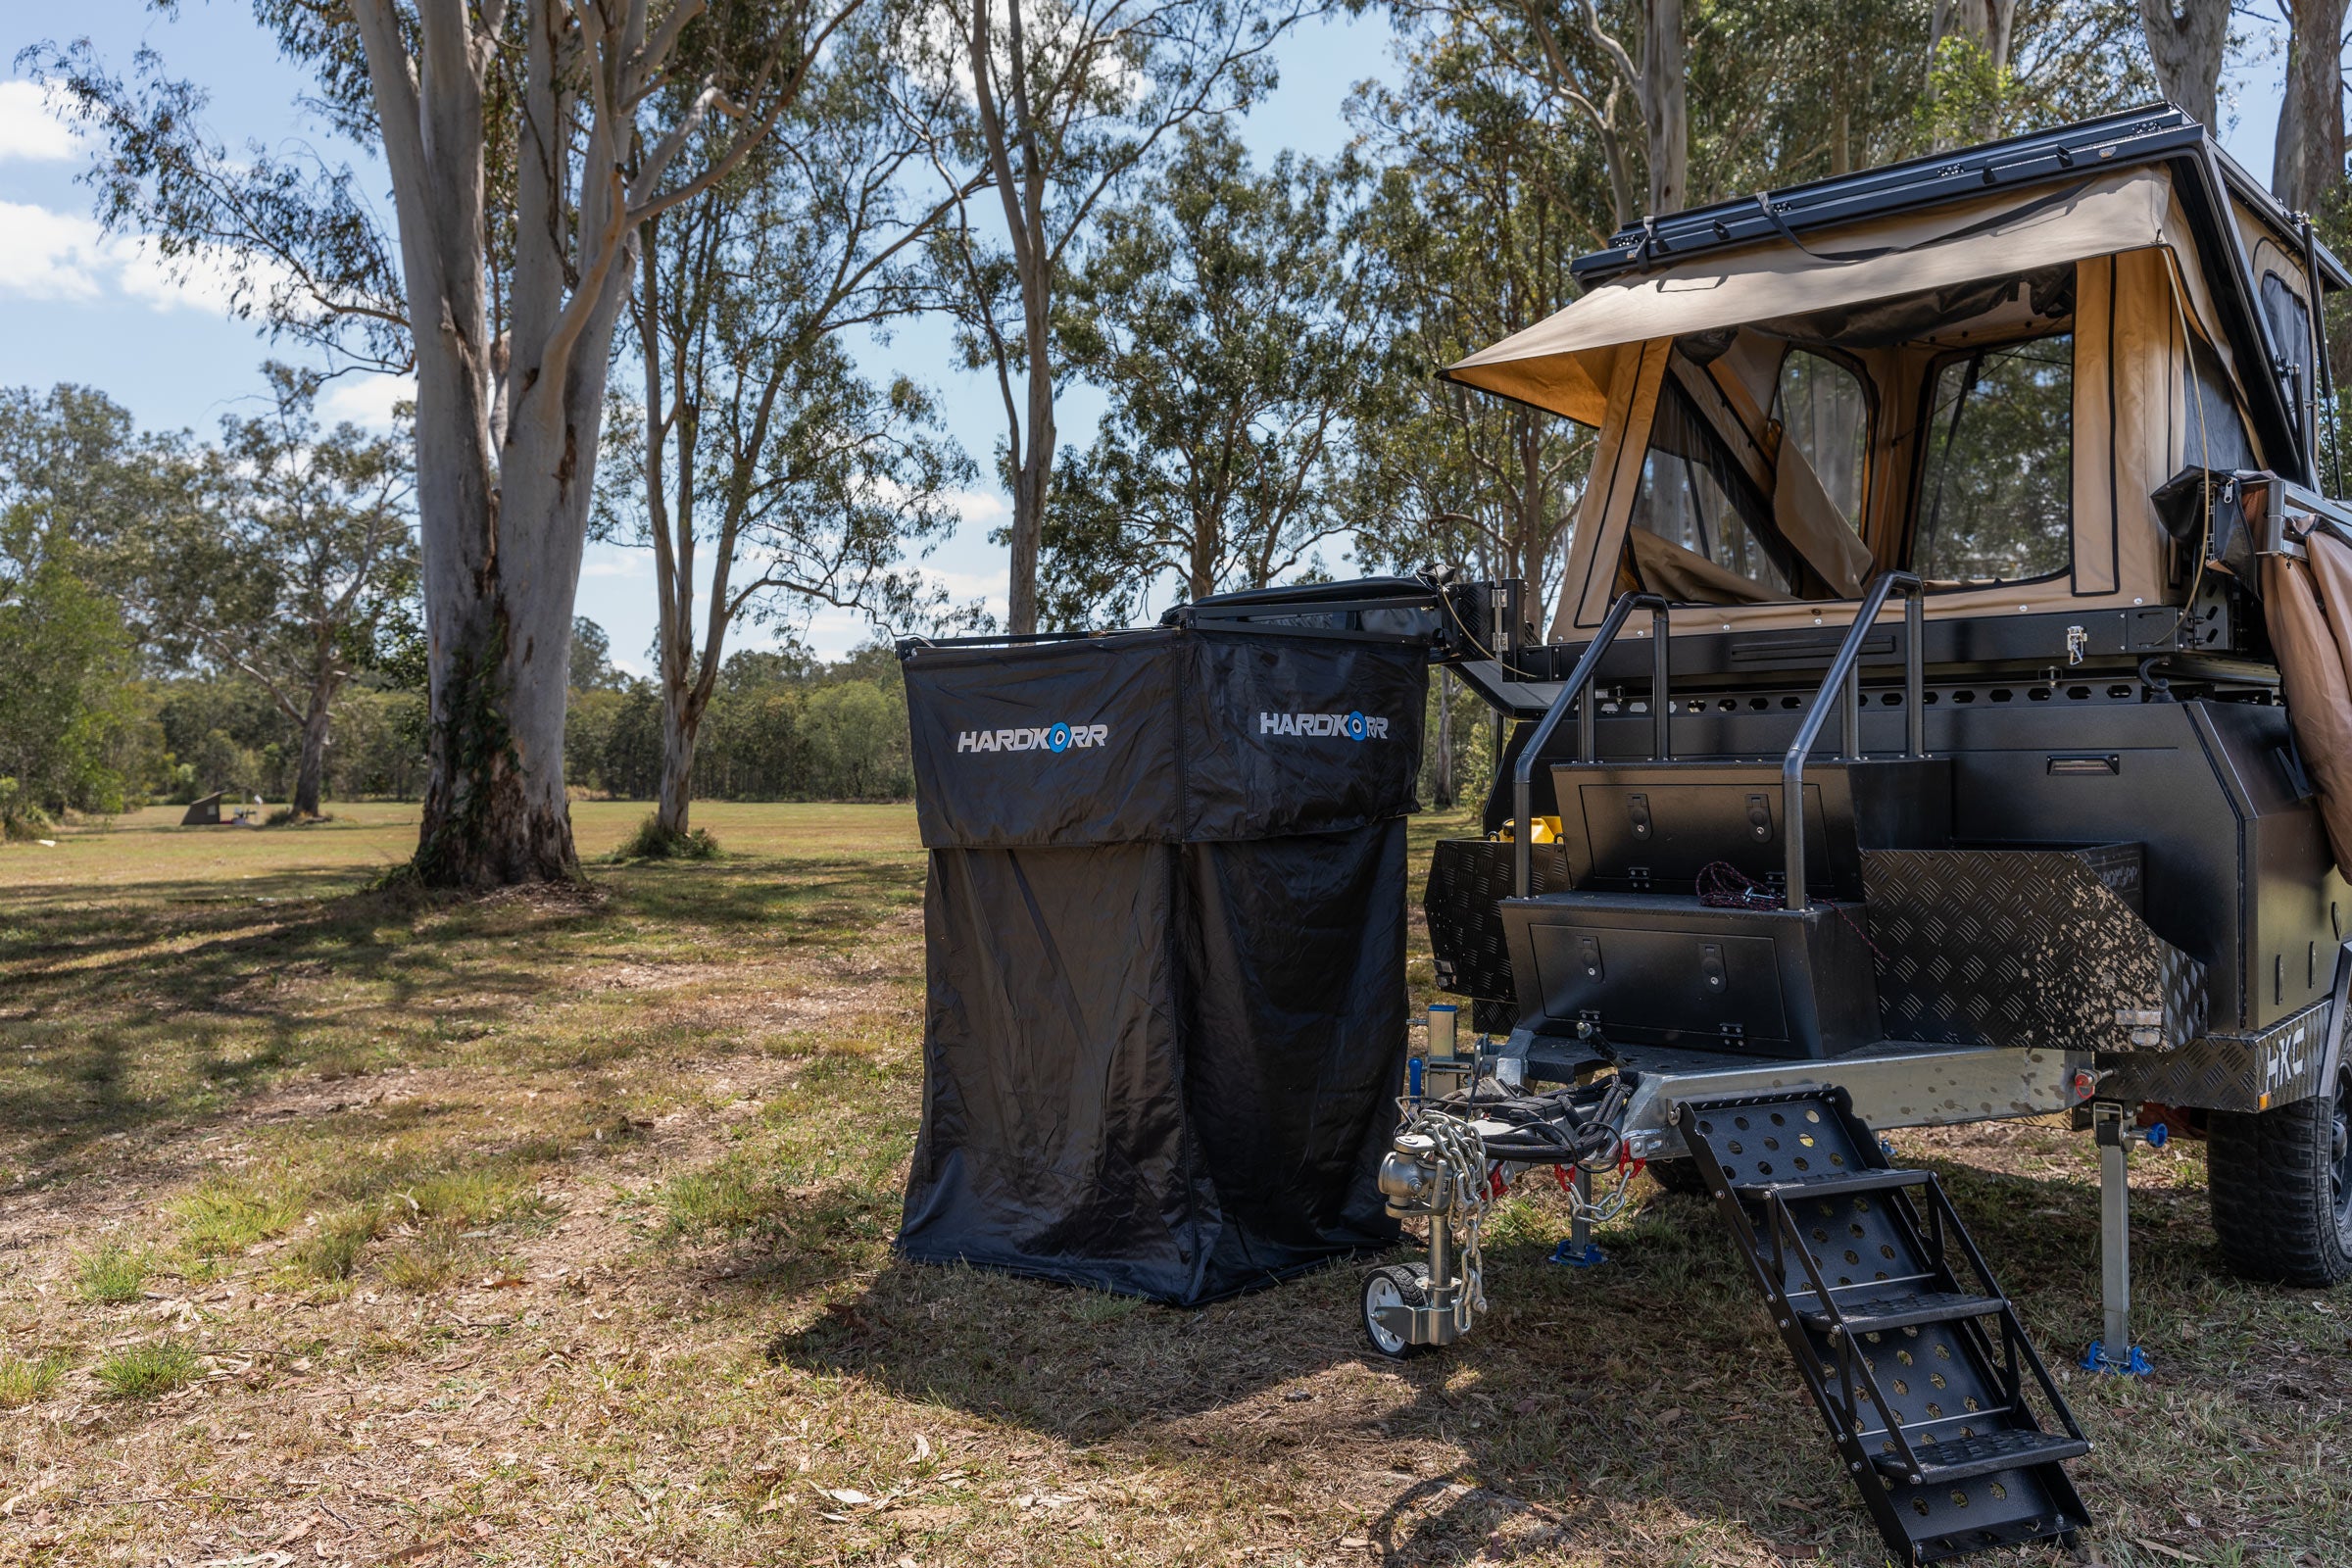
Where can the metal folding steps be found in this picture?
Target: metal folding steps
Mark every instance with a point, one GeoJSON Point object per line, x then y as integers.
{"type": "Point", "coordinates": [1938, 1407]}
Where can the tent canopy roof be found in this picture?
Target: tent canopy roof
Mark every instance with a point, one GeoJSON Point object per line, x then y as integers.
{"type": "Point", "coordinates": [2133, 179]}
{"type": "Point", "coordinates": [1554, 364]}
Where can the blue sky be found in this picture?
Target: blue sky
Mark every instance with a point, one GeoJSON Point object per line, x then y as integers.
{"type": "Point", "coordinates": [77, 306]}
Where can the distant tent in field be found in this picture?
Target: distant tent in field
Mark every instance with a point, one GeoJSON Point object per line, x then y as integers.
{"type": "Point", "coordinates": [204, 812]}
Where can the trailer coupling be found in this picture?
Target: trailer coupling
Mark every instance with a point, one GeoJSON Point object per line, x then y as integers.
{"type": "Point", "coordinates": [1454, 1158]}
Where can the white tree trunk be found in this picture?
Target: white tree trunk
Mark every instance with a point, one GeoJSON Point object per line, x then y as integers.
{"type": "Point", "coordinates": [507, 430]}
{"type": "Point", "coordinates": [681, 728]}
{"type": "Point", "coordinates": [2186, 39]}
{"type": "Point", "coordinates": [1665, 116]}
{"type": "Point", "coordinates": [2308, 159]}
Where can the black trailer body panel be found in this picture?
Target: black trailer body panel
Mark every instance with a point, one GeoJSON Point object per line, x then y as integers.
{"type": "Point", "coordinates": [1660, 970]}
{"type": "Point", "coordinates": [2236, 880]}
{"type": "Point", "coordinates": [1468, 880]}
{"type": "Point", "coordinates": [1654, 826]}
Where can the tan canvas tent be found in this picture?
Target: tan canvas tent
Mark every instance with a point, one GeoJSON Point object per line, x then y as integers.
{"type": "Point", "coordinates": [1693, 355]}
{"type": "Point", "coordinates": [2309, 606]}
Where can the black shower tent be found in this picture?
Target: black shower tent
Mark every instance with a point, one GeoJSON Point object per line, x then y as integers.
{"type": "Point", "coordinates": [1166, 939]}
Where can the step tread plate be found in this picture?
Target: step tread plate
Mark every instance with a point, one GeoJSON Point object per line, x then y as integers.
{"type": "Point", "coordinates": [1901, 1309]}
{"type": "Point", "coordinates": [1837, 1186]}
{"type": "Point", "coordinates": [1964, 1457]}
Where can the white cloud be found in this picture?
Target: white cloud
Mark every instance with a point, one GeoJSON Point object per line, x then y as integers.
{"type": "Point", "coordinates": [50, 256]}
{"type": "Point", "coordinates": [200, 280]}
{"type": "Point", "coordinates": [366, 400]}
{"type": "Point", "coordinates": [968, 585]}
{"type": "Point", "coordinates": [29, 132]}
{"type": "Point", "coordinates": [617, 566]}
{"type": "Point", "coordinates": [979, 506]}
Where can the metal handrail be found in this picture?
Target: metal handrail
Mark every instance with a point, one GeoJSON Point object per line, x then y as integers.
{"type": "Point", "coordinates": [1846, 669]}
{"type": "Point", "coordinates": [1661, 708]}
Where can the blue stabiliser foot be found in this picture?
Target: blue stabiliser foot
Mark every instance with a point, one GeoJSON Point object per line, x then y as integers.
{"type": "Point", "coordinates": [2133, 1363]}
{"type": "Point", "coordinates": [1566, 1253]}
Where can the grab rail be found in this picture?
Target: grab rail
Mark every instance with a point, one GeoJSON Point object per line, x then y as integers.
{"type": "Point", "coordinates": [1661, 710]}
{"type": "Point", "coordinates": [1846, 668]}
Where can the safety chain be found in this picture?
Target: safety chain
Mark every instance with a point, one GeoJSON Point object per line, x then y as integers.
{"type": "Point", "coordinates": [1462, 1153]}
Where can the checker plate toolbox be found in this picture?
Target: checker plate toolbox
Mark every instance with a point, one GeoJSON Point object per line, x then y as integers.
{"type": "Point", "coordinates": [1942, 1413]}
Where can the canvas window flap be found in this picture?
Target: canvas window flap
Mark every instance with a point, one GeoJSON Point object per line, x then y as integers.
{"type": "Point", "coordinates": [2308, 608]}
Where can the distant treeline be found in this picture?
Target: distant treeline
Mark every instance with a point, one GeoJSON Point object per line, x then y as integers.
{"type": "Point", "coordinates": [780, 728]}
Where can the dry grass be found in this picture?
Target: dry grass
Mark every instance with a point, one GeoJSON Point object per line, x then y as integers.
{"type": "Point", "coordinates": [342, 1228]}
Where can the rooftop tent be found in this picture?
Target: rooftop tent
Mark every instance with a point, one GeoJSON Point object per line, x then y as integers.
{"type": "Point", "coordinates": [2085, 291]}
{"type": "Point", "coordinates": [1164, 927]}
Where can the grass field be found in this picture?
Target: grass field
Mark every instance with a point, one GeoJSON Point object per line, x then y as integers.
{"type": "Point", "coordinates": [347, 1227]}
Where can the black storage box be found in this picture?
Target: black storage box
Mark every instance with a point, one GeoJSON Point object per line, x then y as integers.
{"type": "Point", "coordinates": [1165, 928]}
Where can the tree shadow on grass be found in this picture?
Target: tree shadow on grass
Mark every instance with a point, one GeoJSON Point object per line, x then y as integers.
{"type": "Point", "coordinates": [175, 997]}
{"type": "Point", "coordinates": [1581, 1393]}
{"type": "Point", "coordinates": [1654, 1384]}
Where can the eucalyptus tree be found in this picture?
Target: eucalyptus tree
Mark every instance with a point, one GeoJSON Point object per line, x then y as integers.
{"type": "Point", "coordinates": [2186, 41]}
{"type": "Point", "coordinates": [527, 142]}
{"type": "Point", "coordinates": [78, 486]}
{"type": "Point", "coordinates": [1481, 195]}
{"type": "Point", "coordinates": [298, 554]}
{"type": "Point", "coordinates": [1068, 100]}
{"type": "Point", "coordinates": [2307, 163]}
{"type": "Point", "coordinates": [1217, 314]}
{"type": "Point", "coordinates": [769, 475]}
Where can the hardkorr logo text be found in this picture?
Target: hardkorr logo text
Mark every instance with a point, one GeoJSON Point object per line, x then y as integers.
{"type": "Point", "coordinates": [1054, 738]}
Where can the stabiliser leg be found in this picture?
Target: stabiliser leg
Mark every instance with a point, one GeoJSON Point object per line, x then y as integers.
{"type": "Point", "coordinates": [2111, 1126]}
{"type": "Point", "coordinates": [1578, 1250]}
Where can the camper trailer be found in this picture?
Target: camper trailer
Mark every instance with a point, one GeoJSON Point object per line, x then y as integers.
{"type": "Point", "coordinates": [1943, 718]}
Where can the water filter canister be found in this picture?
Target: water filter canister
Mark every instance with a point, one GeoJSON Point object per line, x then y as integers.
{"type": "Point", "coordinates": [1442, 1031]}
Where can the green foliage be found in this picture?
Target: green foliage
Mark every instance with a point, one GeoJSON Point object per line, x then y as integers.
{"type": "Point", "coordinates": [1480, 195]}
{"type": "Point", "coordinates": [66, 702]}
{"type": "Point", "coordinates": [145, 1371]}
{"type": "Point", "coordinates": [1216, 311]}
{"type": "Point", "coordinates": [289, 568]}
{"type": "Point", "coordinates": [111, 1274]}
{"type": "Point", "coordinates": [28, 1379]}
{"type": "Point", "coordinates": [227, 1215]}
{"type": "Point", "coordinates": [473, 1195]}
{"type": "Point", "coordinates": [20, 818]}
{"type": "Point", "coordinates": [330, 1251]}
{"type": "Point", "coordinates": [79, 490]}
{"type": "Point", "coordinates": [591, 667]}
{"type": "Point", "coordinates": [212, 733]}
{"type": "Point", "coordinates": [654, 842]}
{"type": "Point", "coordinates": [780, 727]}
